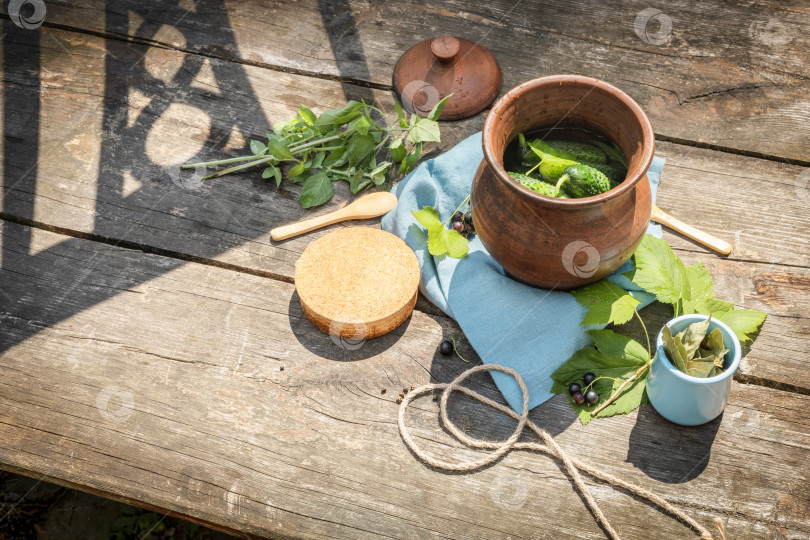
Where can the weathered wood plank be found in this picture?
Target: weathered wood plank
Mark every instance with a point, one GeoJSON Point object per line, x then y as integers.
{"type": "Point", "coordinates": [159, 382]}
{"type": "Point", "coordinates": [110, 185]}
{"type": "Point", "coordinates": [119, 179]}
{"type": "Point", "coordinates": [774, 230]}
{"type": "Point", "coordinates": [731, 75]}
{"type": "Point", "coordinates": [760, 206]}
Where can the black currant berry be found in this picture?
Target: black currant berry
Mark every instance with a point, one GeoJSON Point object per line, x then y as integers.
{"type": "Point", "coordinates": [591, 397]}
{"type": "Point", "coordinates": [468, 218]}
{"type": "Point", "coordinates": [458, 226]}
{"type": "Point", "coordinates": [574, 388]}
{"type": "Point", "coordinates": [446, 348]}
{"type": "Point", "coordinates": [458, 216]}
{"type": "Point", "coordinates": [588, 378]}
{"type": "Point", "coordinates": [578, 398]}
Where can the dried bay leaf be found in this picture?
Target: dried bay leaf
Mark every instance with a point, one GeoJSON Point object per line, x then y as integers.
{"type": "Point", "coordinates": [700, 367]}
{"type": "Point", "coordinates": [714, 340]}
{"type": "Point", "coordinates": [675, 350]}
{"type": "Point", "coordinates": [694, 352]}
{"type": "Point", "coordinates": [712, 345]}
{"type": "Point", "coordinates": [693, 336]}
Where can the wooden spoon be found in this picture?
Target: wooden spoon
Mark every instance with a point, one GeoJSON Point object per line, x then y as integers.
{"type": "Point", "coordinates": [367, 206]}
{"type": "Point", "coordinates": [720, 246]}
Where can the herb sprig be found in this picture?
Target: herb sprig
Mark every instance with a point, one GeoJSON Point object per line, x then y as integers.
{"type": "Point", "coordinates": [621, 364]}
{"type": "Point", "coordinates": [339, 144]}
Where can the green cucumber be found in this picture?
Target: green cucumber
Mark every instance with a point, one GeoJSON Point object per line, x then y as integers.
{"type": "Point", "coordinates": [538, 186]}
{"type": "Point", "coordinates": [613, 152]}
{"type": "Point", "coordinates": [580, 181]}
{"type": "Point", "coordinates": [615, 172]}
{"type": "Point", "coordinates": [527, 157]}
{"type": "Point", "coordinates": [580, 151]}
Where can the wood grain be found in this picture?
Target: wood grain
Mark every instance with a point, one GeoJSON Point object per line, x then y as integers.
{"type": "Point", "coordinates": [730, 75]}
{"type": "Point", "coordinates": [191, 383]}
{"type": "Point", "coordinates": [227, 221]}
{"type": "Point", "coordinates": [122, 182]}
{"type": "Point", "coordinates": [167, 390]}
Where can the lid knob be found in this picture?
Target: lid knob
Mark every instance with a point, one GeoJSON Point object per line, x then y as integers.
{"type": "Point", "coordinates": [445, 48]}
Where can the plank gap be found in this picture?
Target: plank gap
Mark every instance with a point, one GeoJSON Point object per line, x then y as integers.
{"type": "Point", "coordinates": [422, 306]}
{"type": "Point", "coordinates": [753, 380]}
{"type": "Point", "coordinates": [235, 60]}
{"type": "Point", "coordinates": [729, 150]}
{"type": "Point", "coordinates": [128, 244]}
{"type": "Point", "coordinates": [388, 87]}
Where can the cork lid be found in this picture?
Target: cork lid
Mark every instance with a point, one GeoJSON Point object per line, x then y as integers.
{"type": "Point", "coordinates": [445, 65]}
{"type": "Point", "coordinates": [357, 282]}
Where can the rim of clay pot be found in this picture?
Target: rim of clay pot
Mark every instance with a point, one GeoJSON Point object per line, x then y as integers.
{"type": "Point", "coordinates": [635, 175]}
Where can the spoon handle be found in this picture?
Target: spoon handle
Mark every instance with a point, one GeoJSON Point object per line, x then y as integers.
{"type": "Point", "coordinates": [720, 246]}
{"type": "Point", "coordinates": [294, 229]}
{"type": "Point", "coordinates": [368, 206]}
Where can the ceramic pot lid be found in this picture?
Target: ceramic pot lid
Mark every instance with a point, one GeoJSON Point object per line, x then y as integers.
{"type": "Point", "coordinates": [435, 68]}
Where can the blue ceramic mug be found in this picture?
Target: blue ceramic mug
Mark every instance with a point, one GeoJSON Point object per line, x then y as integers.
{"type": "Point", "coordinates": [687, 400]}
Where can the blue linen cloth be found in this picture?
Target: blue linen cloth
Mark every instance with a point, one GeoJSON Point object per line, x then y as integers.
{"type": "Point", "coordinates": [530, 330]}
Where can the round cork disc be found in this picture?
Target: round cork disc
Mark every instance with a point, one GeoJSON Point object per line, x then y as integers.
{"type": "Point", "coordinates": [357, 283]}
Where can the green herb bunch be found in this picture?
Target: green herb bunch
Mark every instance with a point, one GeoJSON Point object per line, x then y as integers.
{"type": "Point", "coordinates": [339, 144]}
{"type": "Point", "coordinates": [621, 364]}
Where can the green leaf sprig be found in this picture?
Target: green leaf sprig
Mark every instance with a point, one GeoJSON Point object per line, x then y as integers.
{"type": "Point", "coordinates": [441, 240]}
{"type": "Point", "coordinates": [620, 363]}
{"type": "Point", "coordinates": [339, 144]}
{"type": "Point", "coordinates": [689, 289]}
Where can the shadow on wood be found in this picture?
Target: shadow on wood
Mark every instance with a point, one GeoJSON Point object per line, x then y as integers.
{"type": "Point", "coordinates": [334, 347]}
{"type": "Point", "coordinates": [668, 452]}
{"type": "Point", "coordinates": [149, 97]}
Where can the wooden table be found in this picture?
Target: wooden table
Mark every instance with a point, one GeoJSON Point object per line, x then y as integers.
{"type": "Point", "coordinates": [154, 350]}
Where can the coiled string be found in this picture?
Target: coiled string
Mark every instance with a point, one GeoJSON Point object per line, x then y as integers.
{"type": "Point", "coordinates": [549, 446]}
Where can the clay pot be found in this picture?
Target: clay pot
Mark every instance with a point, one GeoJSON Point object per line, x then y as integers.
{"type": "Point", "coordinates": [563, 243]}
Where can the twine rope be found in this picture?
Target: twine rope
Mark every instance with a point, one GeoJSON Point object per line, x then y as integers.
{"type": "Point", "coordinates": [549, 446]}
